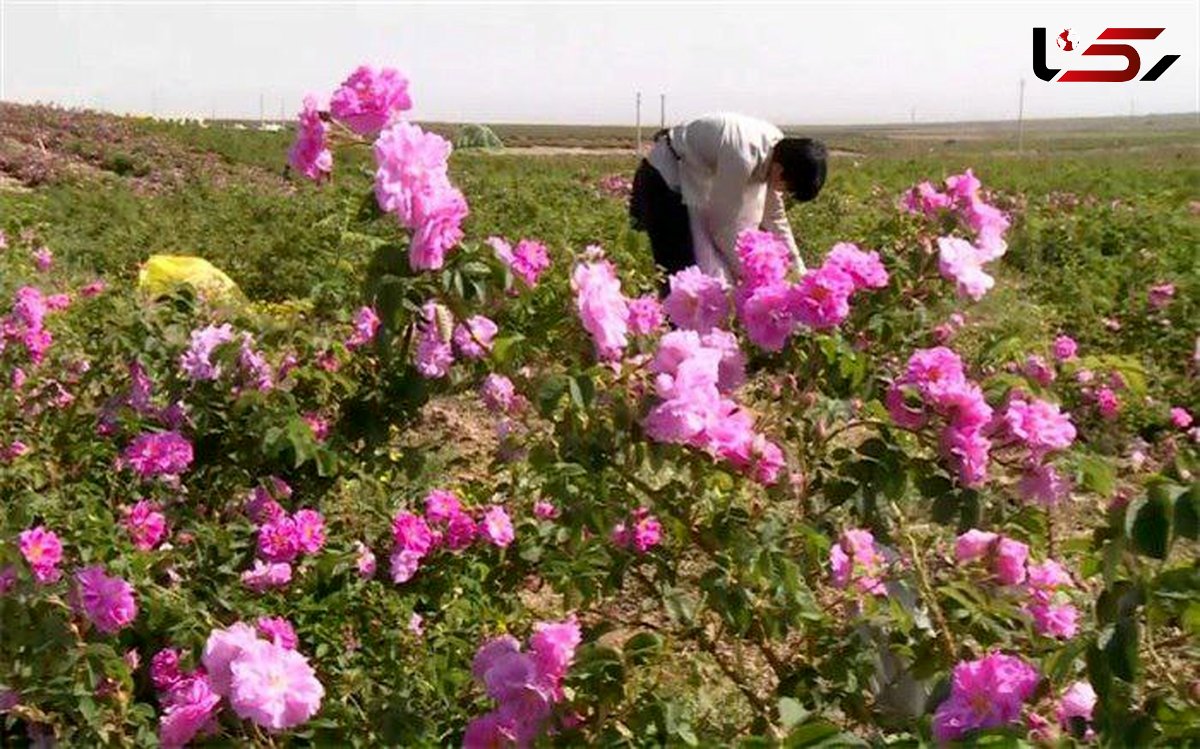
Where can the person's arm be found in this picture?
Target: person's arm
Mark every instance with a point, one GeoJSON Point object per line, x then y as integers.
{"type": "Point", "coordinates": [775, 220]}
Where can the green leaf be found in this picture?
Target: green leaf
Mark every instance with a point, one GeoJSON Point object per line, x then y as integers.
{"type": "Point", "coordinates": [791, 712]}
{"type": "Point", "coordinates": [1149, 525]}
{"type": "Point", "coordinates": [1187, 513]}
{"type": "Point", "coordinates": [642, 647]}
{"type": "Point", "coordinates": [1098, 475]}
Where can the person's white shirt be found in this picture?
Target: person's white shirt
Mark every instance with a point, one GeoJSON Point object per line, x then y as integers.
{"type": "Point", "coordinates": [720, 164]}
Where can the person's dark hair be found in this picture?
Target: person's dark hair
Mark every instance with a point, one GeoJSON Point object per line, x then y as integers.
{"type": "Point", "coordinates": [803, 161]}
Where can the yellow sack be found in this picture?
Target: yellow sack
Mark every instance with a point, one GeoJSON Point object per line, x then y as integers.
{"type": "Point", "coordinates": [162, 273]}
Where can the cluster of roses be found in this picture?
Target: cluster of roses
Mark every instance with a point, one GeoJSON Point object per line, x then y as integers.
{"type": "Point", "coordinates": [1042, 428]}
{"type": "Point", "coordinates": [641, 532]}
{"type": "Point", "coordinates": [1009, 563]}
{"type": "Point", "coordinates": [770, 307]}
{"type": "Point", "coordinates": [161, 455]}
{"type": "Point", "coordinates": [445, 524]}
{"type": "Point", "coordinates": [693, 377]}
{"type": "Point", "coordinates": [991, 692]}
{"type": "Point", "coordinates": [411, 179]}
{"type": "Point", "coordinates": [254, 371]}
{"type": "Point", "coordinates": [25, 325]}
{"type": "Point", "coordinates": [855, 558]}
{"type": "Point", "coordinates": [107, 601]}
{"type": "Point", "coordinates": [935, 382]}
{"type": "Point", "coordinates": [266, 681]}
{"type": "Point", "coordinates": [526, 684]}
{"type": "Point", "coordinates": [438, 337]}
{"type": "Point", "coordinates": [961, 261]}
{"type": "Point", "coordinates": [282, 537]}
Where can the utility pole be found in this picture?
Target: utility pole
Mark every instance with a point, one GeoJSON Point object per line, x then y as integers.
{"type": "Point", "coordinates": [662, 110]}
{"type": "Point", "coordinates": [1021, 119]}
{"type": "Point", "coordinates": [639, 122]}
{"type": "Point", "coordinates": [912, 115]}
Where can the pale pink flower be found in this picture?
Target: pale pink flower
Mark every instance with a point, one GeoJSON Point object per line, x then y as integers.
{"type": "Point", "coordinates": [545, 510]}
{"type": "Point", "coordinates": [854, 556]}
{"type": "Point", "coordinates": [1044, 485]}
{"type": "Point", "coordinates": [273, 687]}
{"type": "Point", "coordinates": [196, 362]}
{"type": "Point", "coordinates": [864, 268]}
{"type": "Point", "coordinates": [552, 647]}
{"type": "Point", "coordinates": [416, 624]}
{"type": "Point", "coordinates": [318, 424]}
{"type": "Point", "coordinates": [370, 99]}
{"type": "Point", "coordinates": [190, 711]}
{"type": "Point", "coordinates": [1040, 425]}
{"type": "Point", "coordinates": [265, 576]}
{"type": "Point", "coordinates": [364, 562]}
{"type": "Point", "coordinates": [602, 307]}
{"type": "Point", "coordinates": [1009, 563]}
{"type": "Point", "coordinates": [1077, 702]}
{"type": "Point", "coordinates": [404, 564]}
{"type": "Point", "coordinates": [697, 301]}
{"type": "Point", "coordinates": [1060, 621]}
{"type": "Point", "coordinates": [960, 262]}
{"type": "Point", "coordinates": [221, 649]}
{"type": "Point", "coordinates": [766, 313]}
{"type": "Point", "coordinates": [822, 298]}
{"type": "Point", "coordinates": [645, 315]}
{"type": "Point", "coordinates": [974, 544]}
{"type": "Point", "coordinates": [1180, 418]}
{"type": "Point", "coordinates": [764, 258]}
{"type": "Point", "coordinates": [474, 336]}
{"type": "Point", "coordinates": [496, 526]}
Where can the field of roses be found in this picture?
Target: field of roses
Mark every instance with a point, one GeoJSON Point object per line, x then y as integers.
{"type": "Point", "coordinates": [940, 487]}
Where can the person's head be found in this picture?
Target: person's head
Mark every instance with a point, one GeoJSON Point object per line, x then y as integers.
{"type": "Point", "coordinates": [798, 166]}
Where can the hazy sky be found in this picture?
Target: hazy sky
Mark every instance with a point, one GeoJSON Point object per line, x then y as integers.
{"type": "Point", "coordinates": [797, 63]}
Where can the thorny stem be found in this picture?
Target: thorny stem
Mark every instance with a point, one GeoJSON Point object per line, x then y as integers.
{"type": "Point", "coordinates": [761, 706]}
{"type": "Point", "coordinates": [853, 425]}
{"type": "Point", "coordinates": [939, 618]}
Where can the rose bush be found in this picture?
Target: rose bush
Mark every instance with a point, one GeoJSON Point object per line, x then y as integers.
{"type": "Point", "coordinates": [838, 495]}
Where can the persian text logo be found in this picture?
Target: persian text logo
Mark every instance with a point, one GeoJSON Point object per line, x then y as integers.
{"type": "Point", "coordinates": [1133, 61]}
